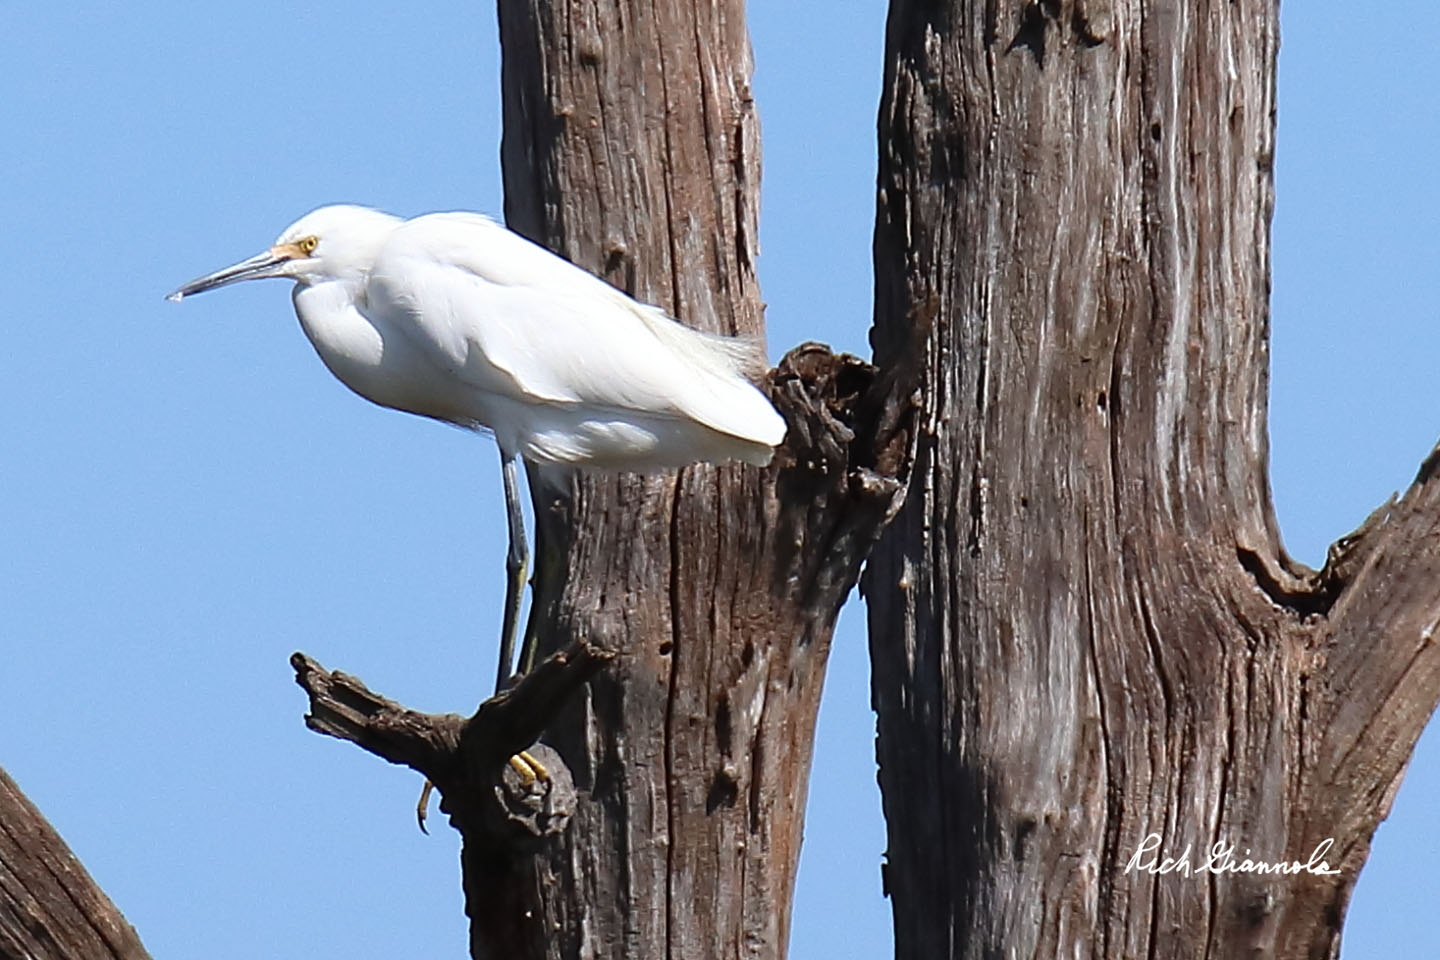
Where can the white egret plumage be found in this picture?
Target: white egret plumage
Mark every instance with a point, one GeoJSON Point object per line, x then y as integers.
{"type": "Point", "coordinates": [452, 316]}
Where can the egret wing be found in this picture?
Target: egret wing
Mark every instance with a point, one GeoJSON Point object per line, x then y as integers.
{"type": "Point", "coordinates": [509, 317]}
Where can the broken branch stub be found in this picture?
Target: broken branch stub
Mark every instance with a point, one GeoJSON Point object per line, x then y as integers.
{"type": "Point", "coordinates": [466, 758]}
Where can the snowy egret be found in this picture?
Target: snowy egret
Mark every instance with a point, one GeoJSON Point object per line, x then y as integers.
{"type": "Point", "coordinates": [452, 316]}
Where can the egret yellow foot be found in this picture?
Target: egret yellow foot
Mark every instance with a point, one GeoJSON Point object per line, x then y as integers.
{"type": "Point", "coordinates": [529, 768]}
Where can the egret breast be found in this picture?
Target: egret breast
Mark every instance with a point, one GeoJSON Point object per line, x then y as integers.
{"type": "Point", "coordinates": [380, 365]}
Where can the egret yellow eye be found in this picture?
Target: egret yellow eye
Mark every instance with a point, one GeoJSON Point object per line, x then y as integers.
{"type": "Point", "coordinates": [308, 245]}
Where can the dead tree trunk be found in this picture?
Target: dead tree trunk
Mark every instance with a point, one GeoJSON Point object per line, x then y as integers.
{"type": "Point", "coordinates": [631, 146]}
{"type": "Point", "coordinates": [1084, 627]}
{"type": "Point", "coordinates": [50, 909]}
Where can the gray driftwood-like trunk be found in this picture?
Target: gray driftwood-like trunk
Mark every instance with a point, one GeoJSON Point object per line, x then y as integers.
{"type": "Point", "coordinates": [1084, 628]}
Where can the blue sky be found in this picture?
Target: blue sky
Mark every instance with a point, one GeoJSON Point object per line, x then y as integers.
{"type": "Point", "coordinates": [187, 496]}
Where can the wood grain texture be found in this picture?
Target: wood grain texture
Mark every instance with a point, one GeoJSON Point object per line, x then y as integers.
{"type": "Point", "coordinates": [50, 909]}
{"type": "Point", "coordinates": [1084, 628]}
{"type": "Point", "coordinates": [631, 147]}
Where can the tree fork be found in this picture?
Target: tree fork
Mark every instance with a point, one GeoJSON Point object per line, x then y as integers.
{"type": "Point", "coordinates": [1084, 627]}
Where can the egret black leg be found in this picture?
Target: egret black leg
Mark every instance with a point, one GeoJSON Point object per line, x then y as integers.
{"type": "Point", "coordinates": [546, 482]}
{"type": "Point", "coordinates": [517, 563]}
{"type": "Point", "coordinates": [517, 566]}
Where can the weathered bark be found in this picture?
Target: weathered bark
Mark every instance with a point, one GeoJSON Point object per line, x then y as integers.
{"type": "Point", "coordinates": [50, 909]}
{"type": "Point", "coordinates": [1084, 627]}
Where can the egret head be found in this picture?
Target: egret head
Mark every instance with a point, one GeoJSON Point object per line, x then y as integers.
{"type": "Point", "coordinates": [333, 243]}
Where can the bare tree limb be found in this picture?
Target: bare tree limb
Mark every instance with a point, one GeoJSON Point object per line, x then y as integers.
{"type": "Point", "coordinates": [343, 707]}
{"type": "Point", "coordinates": [465, 758]}
{"type": "Point", "coordinates": [1373, 671]}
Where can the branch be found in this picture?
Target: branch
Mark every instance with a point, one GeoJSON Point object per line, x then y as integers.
{"type": "Point", "coordinates": [50, 908]}
{"type": "Point", "coordinates": [845, 465]}
{"type": "Point", "coordinates": [343, 707]}
{"type": "Point", "coordinates": [1375, 650]}
{"type": "Point", "coordinates": [513, 719]}
{"type": "Point", "coordinates": [1385, 581]}
{"type": "Point", "coordinates": [463, 757]}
